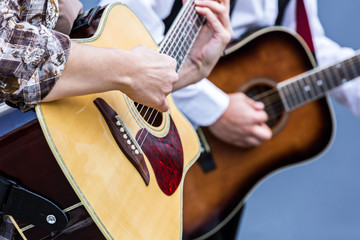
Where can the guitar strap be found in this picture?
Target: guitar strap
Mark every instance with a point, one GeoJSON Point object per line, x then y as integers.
{"type": "Point", "coordinates": [281, 9]}
{"type": "Point", "coordinates": [178, 4]}
{"type": "Point", "coordinates": [29, 207]}
{"type": "Point", "coordinates": [174, 11]}
{"type": "Point", "coordinates": [302, 22]}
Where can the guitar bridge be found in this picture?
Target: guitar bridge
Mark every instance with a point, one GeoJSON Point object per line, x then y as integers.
{"type": "Point", "coordinates": [124, 138]}
{"type": "Point", "coordinates": [127, 136]}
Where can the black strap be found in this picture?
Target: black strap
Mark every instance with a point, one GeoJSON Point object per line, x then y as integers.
{"type": "Point", "coordinates": [178, 4]}
{"type": "Point", "coordinates": [174, 11]}
{"type": "Point", "coordinates": [232, 5]}
{"type": "Point", "coordinates": [29, 207]}
{"type": "Point", "coordinates": [281, 9]}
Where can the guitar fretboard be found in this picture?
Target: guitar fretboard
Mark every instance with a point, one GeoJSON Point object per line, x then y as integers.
{"type": "Point", "coordinates": [316, 83]}
{"type": "Point", "coordinates": [182, 34]}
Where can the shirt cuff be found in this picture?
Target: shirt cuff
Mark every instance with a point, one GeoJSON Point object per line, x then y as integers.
{"type": "Point", "coordinates": [202, 103]}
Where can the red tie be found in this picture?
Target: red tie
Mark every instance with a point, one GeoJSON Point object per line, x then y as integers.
{"type": "Point", "coordinates": [302, 24]}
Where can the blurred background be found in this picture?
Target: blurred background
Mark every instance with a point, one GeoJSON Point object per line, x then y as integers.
{"type": "Point", "coordinates": [320, 199]}
{"type": "Point", "coordinates": [317, 200]}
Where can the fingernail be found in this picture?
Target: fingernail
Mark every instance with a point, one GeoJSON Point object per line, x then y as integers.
{"type": "Point", "coordinates": [260, 104]}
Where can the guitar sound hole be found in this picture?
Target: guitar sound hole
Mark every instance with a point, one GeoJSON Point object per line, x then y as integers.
{"type": "Point", "coordinates": [270, 97]}
{"type": "Point", "coordinates": [150, 115]}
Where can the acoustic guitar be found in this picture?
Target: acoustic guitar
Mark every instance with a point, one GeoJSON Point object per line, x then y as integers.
{"type": "Point", "coordinates": [115, 166]}
{"type": "Point", "coordinates": [274, 66]}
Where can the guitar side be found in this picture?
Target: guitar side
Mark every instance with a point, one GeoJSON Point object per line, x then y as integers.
{"type": "Point", "coordinates": [106, 182]}
{"type": "Point", "coordinates": [27, 160]}
{"type": "Point", "coordinates": [268, 57]}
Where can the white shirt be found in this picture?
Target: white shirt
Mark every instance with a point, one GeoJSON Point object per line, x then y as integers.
{"type": "Point", "coordinates": [203, 103]}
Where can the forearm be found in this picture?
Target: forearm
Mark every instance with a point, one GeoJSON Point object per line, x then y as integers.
{"type": "Point", "coordinates": [143, 74]}
{"type": "Point", "coordinates": [91, 69]}
{"type": "Point", "coordinates": [31, 60]}
{"type": "Point", "coordinates": [189, 73]}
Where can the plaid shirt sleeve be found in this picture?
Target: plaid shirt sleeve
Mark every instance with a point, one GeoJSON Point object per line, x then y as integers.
{"type": "Point", "coordinates": [32, 56]}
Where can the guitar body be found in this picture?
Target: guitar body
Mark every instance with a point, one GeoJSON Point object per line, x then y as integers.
{"type": "Point", "coordinates": [120, 197]}
{"type": "Point", "coordinates": [265, 58]}
{"type": "Point", "coordinates": [26, 159]}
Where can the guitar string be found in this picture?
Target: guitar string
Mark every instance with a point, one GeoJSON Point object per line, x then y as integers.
{"type": "Point", "coordinates": [174, 44]}
{"type": "Point", "coordinates": [332, 81]}
{"type": "Point", "coordinates": [174, 41]}
{"type": "Point", "coordinates": [166, 44]}
{"type": "Point", "coordinates": [140, 111]}
{"type": "Point", "coordinates": [266, 95]}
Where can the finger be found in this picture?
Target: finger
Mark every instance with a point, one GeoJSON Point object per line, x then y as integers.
{"type": "Point", "coordinates": [255, 104]}
{"type": "Point", "coordinates": [261, 132]}
{"type": "Point", "coordinates": [248, 142]}
{"type": "Point", "coordinates": [220, 9]}
{"type": "Point", "coordinates": [211, 18]}
{"type": "Point", "coordinates": [259, 117]}
{"type": "Point", "coordinates": [163, 107]}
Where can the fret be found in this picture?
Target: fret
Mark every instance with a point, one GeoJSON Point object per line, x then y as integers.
{"type": "Point", "coordinates": [354, 70]}
{"type": "Point", "coordinates": [336, 76]}
{"type": "Point", "coordinates": [307, 87]}
{"type": "Point", "coordinates": [321, 82]}
{"type": "Point", "coordinates": [317, 81]}
{"type": "Point", "coordinates": [298, 91]}
{"type": "Point", "coordinates": [351, 69]}
{"type": "Point", "coordinates": [355, 66]}
{"type": "Point", "coordinates": [285, 96]}
{"type": "Point", "coordinates": [182, 33]}
{"type": "Point", "coordinates": [292, 97]}
{"type": "Point", "coordinates": [329, 76]}
{"type": "Point", "coordinates": [303, 88]}
{"type": "Point", "coordinates": [345, 72]}
{"type": "Point", "coordinates": [356, 62]}
{"type": "Point", "coordinates": [316, 84]}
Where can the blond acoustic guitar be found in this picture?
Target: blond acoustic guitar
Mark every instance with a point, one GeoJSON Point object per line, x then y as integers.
{"type": "Point", "coordinates": [274, 66]}
{"type": "Point", "coordinates": [125, 161]}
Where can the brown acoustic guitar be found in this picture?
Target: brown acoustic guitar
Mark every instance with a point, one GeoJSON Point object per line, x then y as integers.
{"type": "Point", "coordinates": [274, 66]}
{"type": "Point", "coordinates": [101, 166]}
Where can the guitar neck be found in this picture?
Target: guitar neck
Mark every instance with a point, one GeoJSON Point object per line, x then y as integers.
{"type": "Point", "coordinates": [314, 84]}
{"type": "Point", "coordinates": [182, 34]}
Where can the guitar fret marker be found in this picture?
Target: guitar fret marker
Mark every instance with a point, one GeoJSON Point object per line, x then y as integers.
{"type": "Point", "coordinates": [319, 82]}
{"type": "Point", "coordinates": [307, 88]}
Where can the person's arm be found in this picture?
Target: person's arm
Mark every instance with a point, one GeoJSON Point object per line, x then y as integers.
{"type": "Point", "coordinates": [329, 52]}
{"type": "Point", "coordinates": [31, 56]}
{"type": "Point", "coordinates": [152, 87]}
{"type": "Point", "coordinates": [209, 44]}
{"type": "Point", "coordinates": [233, 118]}
{"type": "Point", "coordinates": [142, 74]}
{"type": "Point", "coordinates": [39, 64]}
{"type": "Point", "coordinates": [243, 123]}
{"type": "Point", "coordinates": [203, 103]}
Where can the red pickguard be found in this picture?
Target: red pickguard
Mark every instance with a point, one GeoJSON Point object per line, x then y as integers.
{"type": "Point", "coordinates": [166, 157]}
